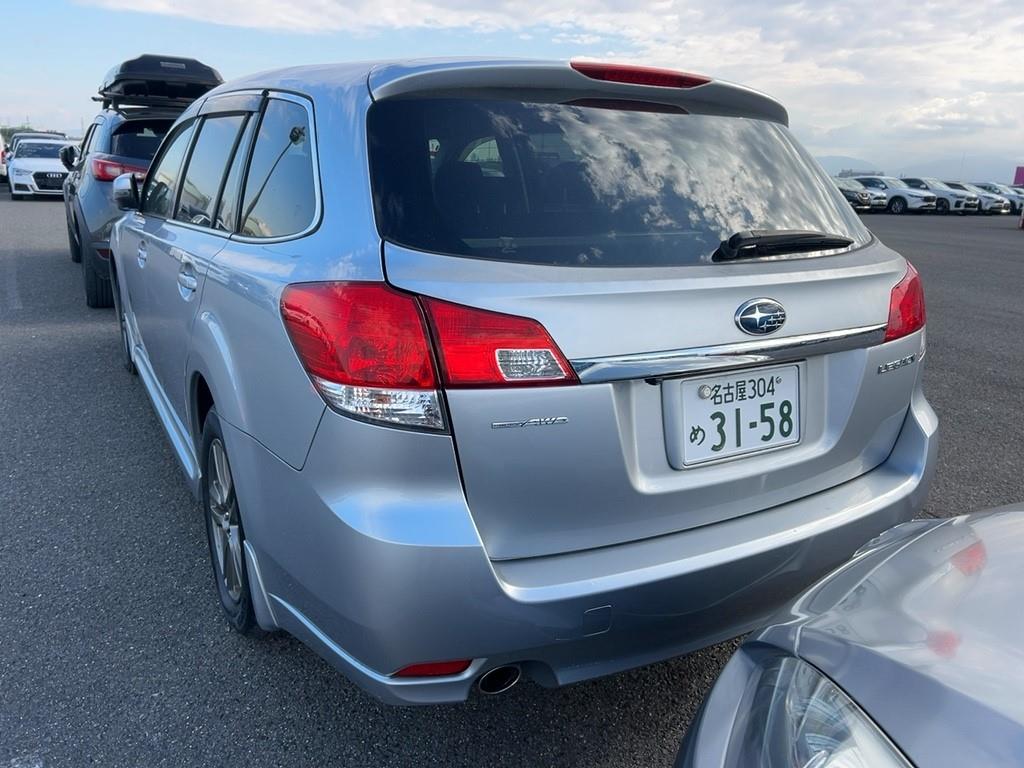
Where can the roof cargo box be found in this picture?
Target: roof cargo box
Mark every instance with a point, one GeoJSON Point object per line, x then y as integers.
{"type": "Point", "coordinates": [153, 80]}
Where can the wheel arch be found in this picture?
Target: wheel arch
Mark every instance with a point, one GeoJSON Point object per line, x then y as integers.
{"type": "Point", "coordinates": [212, 378]}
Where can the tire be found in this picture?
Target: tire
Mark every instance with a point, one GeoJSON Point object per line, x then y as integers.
{"type": "Point", "coordinates": [98, 292]}
{"type": "Point", "coordinates": [122, 323]}
{"type": "Point", "coordinates": [898, 206]}
{"type": "Point", "coordinates": [224, 530]}
{"type": "Point", "coordinates": [74, 248]}
{"type": "Point", "coordinates": [942, 206]}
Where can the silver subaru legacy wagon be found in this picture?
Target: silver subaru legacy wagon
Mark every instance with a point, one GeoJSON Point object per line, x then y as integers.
{"type": "Point", "coordinates": [493, 368]}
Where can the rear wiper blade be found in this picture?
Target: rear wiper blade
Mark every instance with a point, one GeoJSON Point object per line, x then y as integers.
{"type": "Point", "coordinates": [772, 242]}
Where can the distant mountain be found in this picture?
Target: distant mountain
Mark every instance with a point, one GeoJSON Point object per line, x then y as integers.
{"type": "Point", "coordinates": [834, 164]}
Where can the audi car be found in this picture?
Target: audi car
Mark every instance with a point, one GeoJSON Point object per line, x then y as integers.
{"type": "Point", "coordinates": [35, 168]}
{"type": "Point", "coordinates": [484, 369]}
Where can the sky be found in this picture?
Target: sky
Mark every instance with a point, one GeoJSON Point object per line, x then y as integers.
{"type": "Point", "coordinates": [924, 87]}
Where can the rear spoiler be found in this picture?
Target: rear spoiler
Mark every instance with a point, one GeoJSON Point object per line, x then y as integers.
{"type": "Point", "coordinates": [560, 81]}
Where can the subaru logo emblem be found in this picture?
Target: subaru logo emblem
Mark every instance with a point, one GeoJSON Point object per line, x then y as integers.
{"type": "Point", "coordinates": [760, 316]}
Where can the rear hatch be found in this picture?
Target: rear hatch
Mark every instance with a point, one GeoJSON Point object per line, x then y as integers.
{"type": "Point", "coordinates": [131, 147]}
{"type": "Point", "coordinates": [599, 215]}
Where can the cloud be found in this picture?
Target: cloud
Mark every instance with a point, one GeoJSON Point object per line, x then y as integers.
{"type": "Point", "coordinates": [875, 75]}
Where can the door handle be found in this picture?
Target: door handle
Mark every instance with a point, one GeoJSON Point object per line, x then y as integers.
{"type": "Point", "coordinates": [187, 281]}
{"type": "Point", "coordinates": [142, 253]}
{"type": "Point", "coordinates": [187, 273]}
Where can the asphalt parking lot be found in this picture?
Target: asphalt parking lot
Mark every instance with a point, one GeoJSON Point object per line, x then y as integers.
{"type": "Point", "coordinates": [112, 647]}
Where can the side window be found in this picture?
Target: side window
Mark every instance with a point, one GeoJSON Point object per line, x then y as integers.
{"type": "Point", "coordinates": [158, 193]}
{"type": "Point", "coordinates": [280, 194]}
{"type": "Point", "coordinates": [227, 212]}
{"type": "Point", "coordinates": [484, 153]}
{"type": "Point", "coordinates": [83, 150]}
{"type": "Point", "coordinates": [915, 183]}
{"type": "Point", "coordinates": [206, 169]}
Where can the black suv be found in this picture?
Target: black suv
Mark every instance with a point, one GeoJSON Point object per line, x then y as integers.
{"type": "Point", "coordinates": [141, 100]}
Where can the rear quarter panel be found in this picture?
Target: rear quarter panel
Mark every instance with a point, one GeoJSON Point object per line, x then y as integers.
{"type": "Point", "coordinates": [240, 345]}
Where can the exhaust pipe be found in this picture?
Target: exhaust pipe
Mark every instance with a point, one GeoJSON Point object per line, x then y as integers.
{"type": "Point", "coordinates": [499, 679]}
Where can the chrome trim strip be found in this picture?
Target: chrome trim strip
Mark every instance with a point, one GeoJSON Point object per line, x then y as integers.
{"type": "Point", "coordinates": [679, 362]}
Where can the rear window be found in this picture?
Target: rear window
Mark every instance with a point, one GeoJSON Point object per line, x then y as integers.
{"type": "Point", "coordinates": [588, 184]}
{"type": "Point", "coordinates": [139, 139]}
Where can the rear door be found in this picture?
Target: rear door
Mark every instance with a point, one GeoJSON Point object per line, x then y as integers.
{"type": "Point", "coordinates": [697, 400]}
{"type": "Point", "coordinates": [147, 236]}
{"type": "Point", "coordinates": [180, 248]}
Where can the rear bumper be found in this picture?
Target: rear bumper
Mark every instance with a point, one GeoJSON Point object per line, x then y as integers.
{"type": "Point", "coordinates": [375, 581]}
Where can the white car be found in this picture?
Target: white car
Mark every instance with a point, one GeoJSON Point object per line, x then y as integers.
{"type": "Point", "coordinates": [35, 168]}
{"type": "Point", "coordinates": [947, 199]}
{"type": "Point", "coordinates": [1015, 196]}
{"type": "Point", "coordinates": [988, 202]}
{"type": "Point", "coordinates": [900, 196]}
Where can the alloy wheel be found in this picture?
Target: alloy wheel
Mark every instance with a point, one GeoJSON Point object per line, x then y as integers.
{"type": "Point", "coordinates": [224, 521]}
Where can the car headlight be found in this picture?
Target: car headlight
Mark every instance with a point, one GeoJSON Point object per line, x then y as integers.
{"type": "Point", "coordinates": [800, 719]}
{"type": "Point", "coordinates": [22, 172]}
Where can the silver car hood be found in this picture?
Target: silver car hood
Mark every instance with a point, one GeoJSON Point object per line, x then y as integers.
{"type": "Point", "coordinates": [924, 629]}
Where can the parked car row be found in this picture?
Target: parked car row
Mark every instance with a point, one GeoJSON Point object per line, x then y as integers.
{"type": "Point", "coordinates": [925, 195]}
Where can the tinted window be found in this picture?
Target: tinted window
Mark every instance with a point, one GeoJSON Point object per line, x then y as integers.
{"type": "Point", "coordinates": [87, 142]}
{"type": "Point", "coordinates": [158, 194]}
{"type": "Point", "coordinates": [227, 213]}
{"type": "Point", "coordinates": [206, 169]}
{"type": "Point", "coordinates": [280, 194]}
{"type": "Point", "coordinates": [139, 139]}
{"type": "Point", "coordinates": [602, 184]}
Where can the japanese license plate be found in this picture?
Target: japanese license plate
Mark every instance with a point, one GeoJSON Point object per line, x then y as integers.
{"type": "Point", "coordinates": [740, 413]}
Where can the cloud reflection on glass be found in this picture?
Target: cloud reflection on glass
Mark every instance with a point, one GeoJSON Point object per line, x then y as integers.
{"type": "Point", "coordinates": [590, 185]}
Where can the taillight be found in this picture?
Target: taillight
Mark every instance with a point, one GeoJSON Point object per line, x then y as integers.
{"type": "Point", "coordinates": [970, 559]}
{"type": "Point", "coordinates": [627, 73]}
{"type": "Point", "coordinates": [434, 669]}
{"type": "Point", "coordinates": [479, 348]}
{"type": "Point", "coordinates": [108, 170]}
{"type": "Point", "coordinates": [943, 643]}
{"type": "Point", "coordinates": [906, 306]}
{"type": "Point", "coordinates": [365, 346]}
